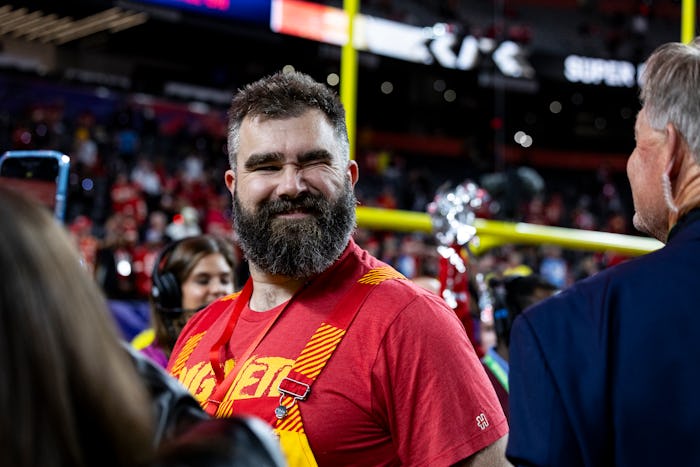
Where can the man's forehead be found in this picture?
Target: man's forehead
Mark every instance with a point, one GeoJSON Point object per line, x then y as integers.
{"type": "Point", "coordinates": [303, 114]}
{"type": "Point", "coordinates": [300, 130]}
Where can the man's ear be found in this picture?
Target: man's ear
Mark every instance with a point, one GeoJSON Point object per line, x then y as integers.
{"type": "Point", "coordinates": [354, 172]}
{"type": "Point", "coordinates": [230, 180]}
{"type": "Point", "coordinates": [673, 151]}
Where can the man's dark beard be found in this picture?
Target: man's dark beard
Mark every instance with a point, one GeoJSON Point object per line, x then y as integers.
{"type": "Point", "coordinates": [298, 248]}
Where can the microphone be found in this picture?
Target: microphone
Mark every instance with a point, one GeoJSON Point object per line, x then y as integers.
{"type": "Point", "coordinates": [177, 311]}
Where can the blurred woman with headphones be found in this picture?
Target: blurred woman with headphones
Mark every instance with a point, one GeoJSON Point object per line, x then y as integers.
{"type": "Point", "coordinates": [188, 274]}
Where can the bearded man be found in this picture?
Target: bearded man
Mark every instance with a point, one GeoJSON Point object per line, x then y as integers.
{"type": "Point", "coordinates": [349, 362]}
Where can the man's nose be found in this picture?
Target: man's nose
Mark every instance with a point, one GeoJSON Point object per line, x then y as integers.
{"type": "Point", "coordinates": [291, 181]}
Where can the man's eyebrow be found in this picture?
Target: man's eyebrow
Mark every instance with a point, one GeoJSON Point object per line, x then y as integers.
{"type": "Point", "coordinates": [316, 155]}
{"type": "Point", "coordinates": [263, 158]}
{"type": "Point", "coordinates": [255, 160]}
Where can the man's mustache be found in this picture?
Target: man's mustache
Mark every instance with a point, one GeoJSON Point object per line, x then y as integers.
{"type": "Point", "coordinates": [306, 203]}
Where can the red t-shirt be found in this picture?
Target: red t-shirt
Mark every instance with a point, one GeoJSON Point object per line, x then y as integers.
{"type": "Point", "coordinates": [403, 387]}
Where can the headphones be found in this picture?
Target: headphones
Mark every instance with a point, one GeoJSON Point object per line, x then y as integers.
{"type": "Point", "coordinates": [165, 287]}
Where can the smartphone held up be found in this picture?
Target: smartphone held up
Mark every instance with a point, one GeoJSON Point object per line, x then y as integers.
{"type": "Point", "coordinates": [42, 174]}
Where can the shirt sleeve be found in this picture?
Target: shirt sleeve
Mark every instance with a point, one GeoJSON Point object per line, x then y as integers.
{"type": "Point", "coordinates": [442, 406]}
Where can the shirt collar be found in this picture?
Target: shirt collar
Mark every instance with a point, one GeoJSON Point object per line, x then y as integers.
{"type": "Point", "coordinates": [692, 216]}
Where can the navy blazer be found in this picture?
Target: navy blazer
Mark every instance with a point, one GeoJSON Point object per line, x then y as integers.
{"type": "Point", "coordinates": [607, 372]}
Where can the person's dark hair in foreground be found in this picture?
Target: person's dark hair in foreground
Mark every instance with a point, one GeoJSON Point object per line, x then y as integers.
{"type": "Point", "coordinates": [69, 394]}
{"type": "Point", "coordinates": [350, 362]}
{"type": "Point", "coordinates": [73, 394]}
{"type": "Point", "coordinates": [605, 373]}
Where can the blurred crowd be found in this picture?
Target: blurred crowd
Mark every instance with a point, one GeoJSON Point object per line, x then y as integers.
{"type": "Point", "coordinates": [145, 171]}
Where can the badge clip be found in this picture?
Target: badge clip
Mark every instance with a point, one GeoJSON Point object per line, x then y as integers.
{"type": "Point", "coordinates": [299, 393]}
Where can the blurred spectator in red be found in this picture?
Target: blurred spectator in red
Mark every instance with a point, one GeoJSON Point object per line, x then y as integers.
{"type": "Point", "coordinates": [81, 231]}
{"type": "Point", "coordinates": [535, 211]}
{"type": "Point", "coordinates": [143, 259]}
{"type": "Point", "coordinates": [387, 198]}
{"type": "Point", "coordinates": [127, 198]}
{"type": "Point", "coordinates": [554, 210]}
{"type": "Point", "coordinates": [216, 218]}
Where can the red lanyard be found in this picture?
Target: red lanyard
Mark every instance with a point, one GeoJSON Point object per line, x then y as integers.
{"type": "Point", "coordinates": [216, 353]}
{"type": "Point", "coordinates": [216, 350]}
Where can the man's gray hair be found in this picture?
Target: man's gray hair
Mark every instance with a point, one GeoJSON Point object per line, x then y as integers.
{"type": "Point", "coordinates": [285, 95]}
{"type": "Point", "coordinates": [670, 90]}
